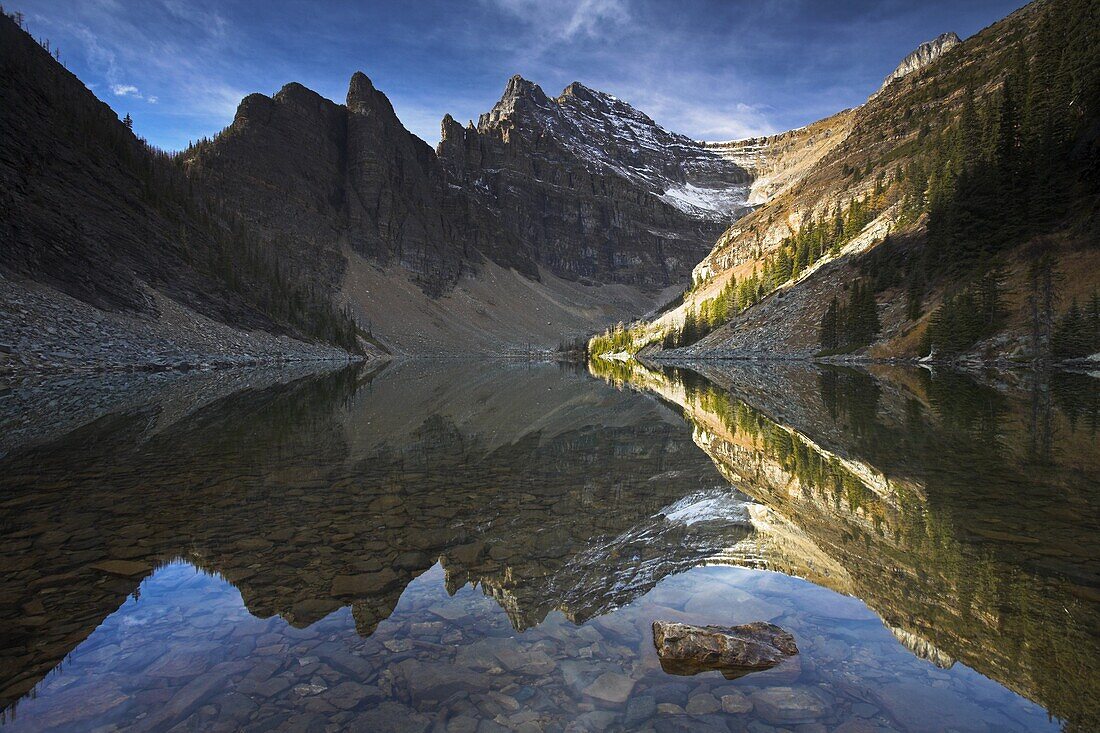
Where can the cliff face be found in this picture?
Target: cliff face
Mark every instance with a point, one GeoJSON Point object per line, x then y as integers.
{"type": "Point", "coordinates": [777, 161]}
{"type": "Point", "coordinates": [593, 189]}
{"type": "Point", "coordinates": [298, 139]}
{"type": "Point", "coordinates": [395, 191]}
{"type": "Point", "coordinates": [317, 176]}
{"type": "Point", "coordinates": [922, 56]}
{"type": "Point", "coordinates": [509, 233]}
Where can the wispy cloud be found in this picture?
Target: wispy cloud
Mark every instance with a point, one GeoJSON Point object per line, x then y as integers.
{"type": "Point", "coordinates": [724, 121]}
{"type": "Point", "coordinates": [173, 55]}
{"type": "Point", "coordinates": [568, 19]}
{"type": "Point", "coordinates": [709, 69]}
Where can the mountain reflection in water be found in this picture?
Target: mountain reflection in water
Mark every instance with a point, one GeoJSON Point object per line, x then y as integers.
{"type": "Point", "coordinates": [438, 544]}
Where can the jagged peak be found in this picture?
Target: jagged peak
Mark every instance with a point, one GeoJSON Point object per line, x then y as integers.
{"type": "Point", "coordinates": [581, 91]}
{"type": "Point", "coordinates": [576, 89]}
{"type": "Point", "coordinates": [254, 107]}
{"type": "Point", "coordinates": [519, 94]}
{"type": "Point", "coordinates": [519, 87]}
{"type": "Point", "coordinates": [361, 82]}
{"type": "Point", "coordinates": [923, 55]}
{"type": "Point", "coordinates": [363, 95]}
{"type": "Point", "coordinates": [361, 90]}
{"type": "Point", "coordinates": [449, 129]}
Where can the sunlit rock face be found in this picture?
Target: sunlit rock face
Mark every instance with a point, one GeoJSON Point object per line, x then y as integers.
{"type": "Point", "coordinates": [923, 55]}
{"type": "Point", "coordinates": [908, 485]}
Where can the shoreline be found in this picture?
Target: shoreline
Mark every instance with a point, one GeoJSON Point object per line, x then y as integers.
{"type": "Point", "coordinates": [961, 364]}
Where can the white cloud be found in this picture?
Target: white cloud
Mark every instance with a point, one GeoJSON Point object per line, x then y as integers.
{"type": "Point", "coordinates": [132, 92]}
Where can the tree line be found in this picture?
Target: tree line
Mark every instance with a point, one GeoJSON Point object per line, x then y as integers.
{"type": "Point", "coordinates": [850, 325]}
{"type": "Point", "coordinates": [1009, 168]}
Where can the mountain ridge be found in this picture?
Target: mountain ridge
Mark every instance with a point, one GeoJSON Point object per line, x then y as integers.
{"type": "Point", "coordinates": [102, 232]}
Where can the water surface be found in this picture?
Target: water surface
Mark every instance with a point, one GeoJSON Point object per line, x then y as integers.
{"type": "Point", "coordinates": [461, 546]}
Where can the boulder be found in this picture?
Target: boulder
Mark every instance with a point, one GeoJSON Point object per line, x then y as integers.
{"type": "Point", "coordinates": [732, 650]}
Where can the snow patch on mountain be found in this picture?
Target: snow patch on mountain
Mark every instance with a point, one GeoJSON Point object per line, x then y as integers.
{"type": "Point", "coordinates": [720, 203]}
{"type": "Point", "coordinates": [610, 135]}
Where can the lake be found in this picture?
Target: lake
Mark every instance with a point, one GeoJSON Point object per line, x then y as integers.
{"type": "Point", "coordinates": [468, 546]}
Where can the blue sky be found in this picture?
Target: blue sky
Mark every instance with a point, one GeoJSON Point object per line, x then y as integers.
{"type": "Point", "coordinates": [711, 70]}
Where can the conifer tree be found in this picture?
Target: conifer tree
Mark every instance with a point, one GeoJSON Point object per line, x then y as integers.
{"type": "Point", "coordinates": [829, 323]}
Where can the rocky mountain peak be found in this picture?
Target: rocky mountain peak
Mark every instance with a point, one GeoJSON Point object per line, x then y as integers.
{"type": "Point", "coordinates": [922, 56]}
{"type": "Point", "coordinates": [601, 102]}
{"type": "Point", "coordinates": [580, 91]}
{"type": "Point", "coordinates": [363, 96]}
{"type": "Point", "coordinates": [360, 82]}
{"type": "Point", "coordinates": [294, 89]}
{"type": "Point", "coordinates": [452, 141]}
{"type": "Point", "coordinates": [520, 96]}
{"type": "Point", "coordinates": [518, 87]}
{"type": "Point", "coordinates": [256, 108]}
{"type": "Point", "coordinates": [450, 127]}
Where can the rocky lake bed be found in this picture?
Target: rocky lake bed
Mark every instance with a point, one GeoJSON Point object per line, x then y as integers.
{"type": "Point", "coordinates": [473, 546]}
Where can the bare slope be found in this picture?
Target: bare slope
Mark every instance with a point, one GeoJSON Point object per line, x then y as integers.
{"type": "Point", "coordinates": [496, 310]}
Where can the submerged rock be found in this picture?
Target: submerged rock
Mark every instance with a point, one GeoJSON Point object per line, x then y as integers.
{"type": "Point", "coordinates": [733, 650]}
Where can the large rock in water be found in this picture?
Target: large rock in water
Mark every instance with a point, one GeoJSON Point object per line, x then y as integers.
{"type": "Point", "coordinates": [732, 650]}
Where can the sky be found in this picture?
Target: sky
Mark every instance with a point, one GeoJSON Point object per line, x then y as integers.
{"type": "Point", "coordinates": [711, 70]}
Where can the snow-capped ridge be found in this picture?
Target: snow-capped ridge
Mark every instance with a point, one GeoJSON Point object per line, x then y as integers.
{"type": "Point", "coordinates": [611, 135]}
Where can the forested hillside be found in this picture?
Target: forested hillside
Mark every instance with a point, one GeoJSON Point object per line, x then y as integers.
{"type": "Point", "coordinates": [960, 214]}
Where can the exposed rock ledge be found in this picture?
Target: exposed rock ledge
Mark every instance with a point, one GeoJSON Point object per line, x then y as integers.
{"type": "Point", "coordinates": [732, 650]}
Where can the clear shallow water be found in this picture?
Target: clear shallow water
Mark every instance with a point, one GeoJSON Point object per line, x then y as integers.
{"type": "Point", "coordinates": [484, 547]}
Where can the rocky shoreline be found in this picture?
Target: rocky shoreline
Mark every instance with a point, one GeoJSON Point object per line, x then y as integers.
{"type": "Point", "coordinates": [45, 331]}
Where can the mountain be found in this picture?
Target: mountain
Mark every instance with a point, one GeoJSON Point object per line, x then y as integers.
{"type": "Point", "coordinates": [111, 257]}
{"type": "Point", "coordinates": [548, 218]}
{"type": "Point", "coordinates": [308, 222]}
{"type": "Point", "coordinates": [594, 187]}
{"type": "Point", "coordinates": [955, 213]}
